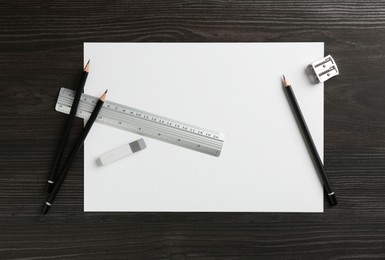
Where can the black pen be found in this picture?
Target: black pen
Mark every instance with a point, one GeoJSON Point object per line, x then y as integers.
{"type": "Point", "coordinates": [309, 141]}
{"type": "Point", "coordinates": [48, 203]}
{"type": "Point", "coordinates": [68, 126]}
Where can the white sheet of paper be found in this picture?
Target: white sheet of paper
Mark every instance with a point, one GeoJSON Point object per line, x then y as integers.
{"type": "Point", "coordinates": [233, 88]}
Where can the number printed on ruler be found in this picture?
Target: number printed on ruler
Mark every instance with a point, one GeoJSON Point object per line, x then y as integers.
{"type": "Point", "coordinates": [144, 123]}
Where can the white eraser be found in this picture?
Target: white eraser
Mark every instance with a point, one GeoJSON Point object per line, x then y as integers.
{"type": "Point", "coordinates": [121, 152]}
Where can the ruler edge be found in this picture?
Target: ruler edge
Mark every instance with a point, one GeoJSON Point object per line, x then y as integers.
{"type": "Point", "coordinates": [220, 134]}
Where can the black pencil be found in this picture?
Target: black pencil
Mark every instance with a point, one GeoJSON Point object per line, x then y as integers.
{"type": "Point", "coordinates": [67, 128]}
{"type": "Point", "coordinates": [75, 150]}
{"type": "Point", "coordinates": [309, 142]}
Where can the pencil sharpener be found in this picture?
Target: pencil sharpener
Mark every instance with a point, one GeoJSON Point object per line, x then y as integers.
{"type": "Point", "coordinates": [323, 69]}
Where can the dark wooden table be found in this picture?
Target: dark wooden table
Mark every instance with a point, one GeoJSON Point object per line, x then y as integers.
{"type": "Point", "coordinates": [41, 46]}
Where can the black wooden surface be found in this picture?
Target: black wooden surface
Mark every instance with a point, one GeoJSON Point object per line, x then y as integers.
{"type": "Point", "coordinates": [41, 44]}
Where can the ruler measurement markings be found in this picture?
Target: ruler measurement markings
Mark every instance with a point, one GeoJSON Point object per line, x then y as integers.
{"type": "Point", "coordinates": [183, 128]}
{"type": "Point", "coordinates": [155, 135]}
{"type": "Point", "coordinates": [162, 121]}
{"type": "Point", "coordinates": [144, 123]}
{"type": "Point", "coordinates": [169, 139]}
{"type": "Point", "coordinates": [137, 124]}
{"type": "Point", "coordinates": [165, 129]}
{"type": "Point", "coordinates": [157, 120]}
{"type": "Point", "coordinates": [165, 133]}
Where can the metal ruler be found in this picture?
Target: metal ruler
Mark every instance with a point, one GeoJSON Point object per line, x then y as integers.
{"type": "Point", "coordinates": [144, 123]}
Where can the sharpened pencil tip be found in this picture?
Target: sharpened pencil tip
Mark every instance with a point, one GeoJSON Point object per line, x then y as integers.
{"type": "Point", "coordinates": [103, 97]}
{"type": "Point", "coordinates": [285, 81]}
{"type": "Point", "coordinates": [87, 67]}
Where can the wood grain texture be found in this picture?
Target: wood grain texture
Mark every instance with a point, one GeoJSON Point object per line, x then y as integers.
{"type": "Point", "coordinates": [41, 45]}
